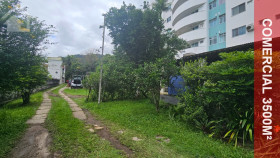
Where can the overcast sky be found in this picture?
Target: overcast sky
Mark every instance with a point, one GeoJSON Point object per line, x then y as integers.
{"type": "Point", "coordinates": [76, 21]}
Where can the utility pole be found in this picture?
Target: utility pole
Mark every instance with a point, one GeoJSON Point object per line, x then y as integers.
{"type": "Point", "coordinates": [101, 64]}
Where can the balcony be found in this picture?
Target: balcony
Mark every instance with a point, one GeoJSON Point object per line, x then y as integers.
{"type": "Point", "coordinates": [176, 4]}
{"type": "Point", "coordinates": [193, 35]}
{"type": "Point", "coordinates": [194, 50]}
{"type": "Point", "coordinates": [186, 8]}
{"type": "Point", "coordinates": [190, 21]}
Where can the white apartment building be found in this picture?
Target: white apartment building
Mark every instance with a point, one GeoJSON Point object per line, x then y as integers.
{"type": "Point", "coordinates": [56, 69]}
{"type": "Point", "coordinates": [209, 25]}
{"type": "Point", "coordinates": [240, 18]}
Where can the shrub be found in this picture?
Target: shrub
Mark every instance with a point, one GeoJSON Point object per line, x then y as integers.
{"type": "Point", "coordinates": [222, 92]}
{"type": "Point", "coordinates": [91, 84]}
{"type": "Point", "coordinates": [190, 106]}
{"type": "Point", "coordinates": [154, 75]}
{"type": "Point", "coordinates": [117, 81]}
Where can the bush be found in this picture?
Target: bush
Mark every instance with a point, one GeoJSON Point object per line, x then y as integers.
{"type": "Point", "coordinates": [124, 80]}
{"type": "Point", "coordinates": [154, 75]}
{"type": "Point", "coordinates": [91, 84]}
{"type": "Point", "coordinates": [190, 105]}
{"type": "Point", "coordinates": [117, 81]}
{"type": "Point", "coordinates": [222, 92]}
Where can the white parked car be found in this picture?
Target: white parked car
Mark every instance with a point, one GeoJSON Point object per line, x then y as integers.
{"type": "Point", "coordinates": [76, 83]}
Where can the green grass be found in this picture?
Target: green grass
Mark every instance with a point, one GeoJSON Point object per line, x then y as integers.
{"type": "Point", "coordinates": [12, 121]}
{"type": "Point", "coordinates": [71, 138]}
{"type": "Point", "coordinates": [76, 91]}
{"type": "Point", "coordinates": [55, 91]}
{"type": "Point", "coordinates": [139, 118]}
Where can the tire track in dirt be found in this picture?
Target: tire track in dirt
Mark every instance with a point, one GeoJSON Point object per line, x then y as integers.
{"type": "Point", "coordinates": [96, 126]}
{"type": "Point", "coordinates": [36, 140]}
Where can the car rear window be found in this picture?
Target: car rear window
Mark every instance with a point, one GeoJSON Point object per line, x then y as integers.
{"type": "Point", "coordinates": [77, 81]}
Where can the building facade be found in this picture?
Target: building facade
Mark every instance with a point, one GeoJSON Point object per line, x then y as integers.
{"type": "Point", "coordinates": [56, 69]}
{"type": "Point", "coordinates": [209, 25]}
{"type": "Point", "coordinates": [240, 22]}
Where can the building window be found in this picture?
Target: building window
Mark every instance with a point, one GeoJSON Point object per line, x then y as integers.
{"type": "Point", "coordinates": [222, 37]}
{"type": "Point", "coordinates": [195, 44]}
{"type": "Point", "coordinates": [201, 41]}
{"type": "Point", "coordinates": [213, 40]}
{"type": "Point", "coordinates": [195, 28]}
{"type": "Point", "coordinates": [238, 9]}
{"type": "Point", "coordinates": [222, 18]}
{"type": "Point", "coordinates": [222, 2]}
{"type": "Point", "coordinates": [196, 11]}
{"type": "Point", "coordinates": [213, 4]}
{"type": "Point", "coordinates": [168, 19]}
{"type": "Point", "coordinates": [213, 22]}
{"type": "Point", "coordinates": [250, 1]}
{"type": "Point", "coordinates": [239, 31]}
{"type": "Point", "coordinates": [169, 6]}
{"type": "Point", "coordinates": [201, 25]}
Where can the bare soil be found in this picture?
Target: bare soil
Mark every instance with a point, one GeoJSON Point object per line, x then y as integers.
{"type": "Point", "coordinates": [52, 94]}
{"type": "Point", "coordinates": [36, 140]}
{"type": "Point", "coordinates": [105, 133]}
{"type": "Point", "coordinates": [34, 144]}
{"type": "Point", "coordinates": [75, 96]}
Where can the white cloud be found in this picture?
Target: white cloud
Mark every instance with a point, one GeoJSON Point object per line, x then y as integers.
{"type": "Point", "coordinates": [77, 23]}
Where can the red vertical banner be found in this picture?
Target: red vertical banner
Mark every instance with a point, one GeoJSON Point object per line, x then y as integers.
{"type": "Point", "coordinates": [267, 79]}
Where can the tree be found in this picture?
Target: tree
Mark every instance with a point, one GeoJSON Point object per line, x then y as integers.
{"type": "Point", "coordinates": [81, 64]}
{"type": "Point", "coordinates": [139, 36]}
{"type": "Point", "coordinates": [118, 80]}
{"type": "Point", "coordinates": [72, 65]}
{"type": "Point", "coordinates": [8, 8]}
{"type": "Point", "coordinates": [21, 63]}
{"type": "Point", "coordinates": [90, 61]}
{"type": "Point", "coordinates": [160, 5]}
{"type": "Point", "coordinates": [31, 76]}
{"type": "Point", "coordinates": [154, 75]}
{"type": "Point", "coordinates": [136, 33]}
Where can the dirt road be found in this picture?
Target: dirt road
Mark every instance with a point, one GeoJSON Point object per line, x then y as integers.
{"type": "Point", "coordinates": [36, 139]}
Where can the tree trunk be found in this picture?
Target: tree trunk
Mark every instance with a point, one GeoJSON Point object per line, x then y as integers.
{"type": "Point", "coordinates": [26, 97]}
{"type": "Point", "coordinates": [144, 94]}
{"type": "Point", "coordinates": [89, 92]}
{"type": "Point", "coordinates": [156, 96]}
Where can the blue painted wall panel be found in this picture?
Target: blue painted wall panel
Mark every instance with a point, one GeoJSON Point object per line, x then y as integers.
{"type": "Point", "coordinates": [177, 85]}
{"type": "Point", "coordinates": [218, 28]}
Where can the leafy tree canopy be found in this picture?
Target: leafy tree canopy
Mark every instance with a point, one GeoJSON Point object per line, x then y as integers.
{"type": "Point", "coordinates": [139, 34]}
{"type": "Point", "coordinates": [21, 62]}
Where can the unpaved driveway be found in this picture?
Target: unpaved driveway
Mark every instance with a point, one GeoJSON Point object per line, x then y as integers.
{"type": "Point", "coordinates": [36, 140]}
{"type": "Point", "coordinates": [34, 144]}
{"type": "Point", "coordinates": [95, 125]}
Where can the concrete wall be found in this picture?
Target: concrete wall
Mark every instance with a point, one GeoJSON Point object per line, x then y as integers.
{"type": "Point", "coordinates": [244, 18]}
{"type": "Point", "coordinates": [184, 19]}
{"type": "Point", "coordinates": [165, 15]}
{"type": "Point", "coordinates": [56, 69]}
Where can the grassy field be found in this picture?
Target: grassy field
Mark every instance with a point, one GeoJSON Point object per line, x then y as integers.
{"type": "Point", "coordinates": [71, 138]}
{"type": "Point", "coordinates": [55, 91]}
{"type": "Point", "coordinates": [12, 121]}
{"type": "Point", "coordinates": [76, 91]}
{"type": "Point", "coordinates": [139, 119]}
